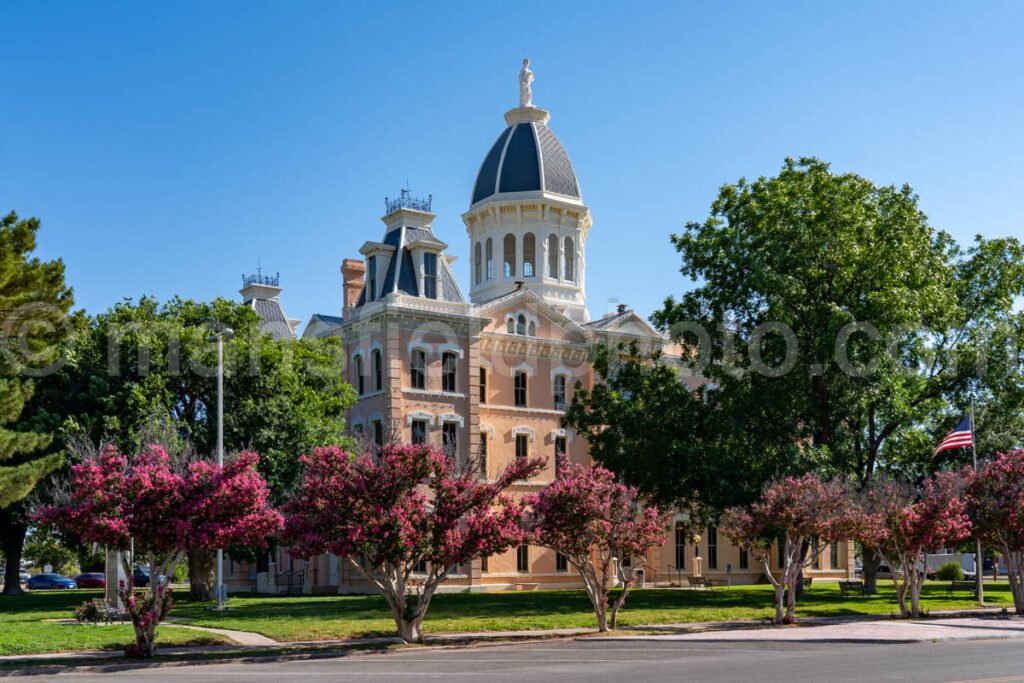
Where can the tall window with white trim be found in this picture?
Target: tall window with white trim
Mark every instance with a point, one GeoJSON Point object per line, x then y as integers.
{"type": "Point", "coordinates": [477, 262]}
{"type": "Point", "coordinates": [430, 276]}
{"type": "Point", "coordinates": [378, 370]}
{"type": "Point", "coordinates": [449, 365]}
{"type": "Point", "coordinates": [418, 369]}
{"type": "Point", "coordinates": [559, 392]}
{"type": "Point", "coordinates": [509, 256]}
{"type": "Point", "coordinates": [357, 368]}
{"type": "Point", "coordinates": [418, 432]}
{"type": "Point", "coordinates": [568, 268]}
{"type": "Point", "coordinates": [520, 389]}
{"type": "Point", "coordinates": [552, 256]}
{"type": "Point", "coordinates": [490, 259]}
{"type": "Point", "coordinates": [529, 255]}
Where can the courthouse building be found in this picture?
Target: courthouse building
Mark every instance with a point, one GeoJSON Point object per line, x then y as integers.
{"type": "Point", "coordinates": [488, 374]}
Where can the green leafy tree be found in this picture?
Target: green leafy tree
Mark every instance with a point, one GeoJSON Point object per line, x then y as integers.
{"type": "Point", "coordinates": [145, 371]}
{"type": "Point", "coordinates": [34, 302]}
{"type": "Point", "coordinates": [836, 315]}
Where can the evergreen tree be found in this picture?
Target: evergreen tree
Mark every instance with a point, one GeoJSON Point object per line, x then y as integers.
{"type": "Point", "coordinates": [33, 304]}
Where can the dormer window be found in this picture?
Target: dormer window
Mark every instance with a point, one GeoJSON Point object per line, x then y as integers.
{"type": "Point", "coordinates": [371, 279]}
{"type": "Point", "coordinates": [430, 276]}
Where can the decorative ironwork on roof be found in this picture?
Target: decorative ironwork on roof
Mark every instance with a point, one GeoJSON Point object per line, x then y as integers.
{"type": "Point", "coordinates": [260, 279]}
{"type": "Point", "coordinates": [407, 201]}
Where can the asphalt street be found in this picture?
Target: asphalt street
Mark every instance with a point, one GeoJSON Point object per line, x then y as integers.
{"type": "Point", "coordinates": [977, 661]}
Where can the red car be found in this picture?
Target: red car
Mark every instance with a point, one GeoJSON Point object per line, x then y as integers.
{"type": "Point", "coordinates": [91, 580]}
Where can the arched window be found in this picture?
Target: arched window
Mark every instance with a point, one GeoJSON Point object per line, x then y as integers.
{"type": "Point", "coordinates": [510, 255]}
{"type": "Point", "coordinates": [520, 389]}
{"type": "Point", "coordinates": [449, 363]}
{"type": "Point", "coordinates": [478, 263]}
{"type": "Point", "coordinates": [418, 369]}
{"type": "Point", "coordinates": [529, 255]}
{"type": "Point", "coordinates": [570, 260]}
{"type": "Point", "coordinates": [559, 392]}
{"type": "Point", "coordinates": [358, 369]}
{"type": "Point", "coordinates": [521, 324]}
{"type": "Point", "coordinates": [552, 256]}
{"type": "Point", "coordinates": [490, 259]}
{"type": "Point", "coordinates": [511, 326]}
{"type": "Point", "coordinates": [378, 370]}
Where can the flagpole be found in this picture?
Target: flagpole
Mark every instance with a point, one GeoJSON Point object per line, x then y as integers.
{"type": "Point", "coordinates": [979, 560]}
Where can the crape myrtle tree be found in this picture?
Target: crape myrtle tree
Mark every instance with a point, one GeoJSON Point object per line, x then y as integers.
{"type": "Point", "coordinates": [34, 302]}
{"type": "Point", "coordinates": [115, 500]}
{"type": "Point", "coordinates": [387, 513]}
{"type": "Point", "coordinates": [790, 512]}
{"type": "Point", "coordinates": [995, 499]}
{"type": "Point", "coordinates": [145, 365]}
{"type": "Point", "coordinates": [836, 316]}
{"type": "Point", "coordinates": [902, 523]}
{"type": "Point", "coordinates": [597, 523]}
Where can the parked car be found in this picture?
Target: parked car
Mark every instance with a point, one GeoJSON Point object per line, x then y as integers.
{"type": "Point", "coordinates": [44, 581]}
{"type": "Point", "coordinates": [91, 580]}
{"type": "Point", "coordinates": [140, 576]}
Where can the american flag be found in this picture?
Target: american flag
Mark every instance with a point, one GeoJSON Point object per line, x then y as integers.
{"type": "Point", "coordinates": [962, 436]}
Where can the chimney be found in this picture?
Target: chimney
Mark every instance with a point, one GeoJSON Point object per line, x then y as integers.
{"type": "Point", "coordinates": [353, 273]}
{"type": "Point", "coordinates": [622, 308]}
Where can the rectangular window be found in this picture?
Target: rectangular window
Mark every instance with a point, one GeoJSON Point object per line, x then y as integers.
{"type": "Point", "coordinates": [484, 564]}
{"type": "Point", "coordinates": [418, 369]}
{"type": "Point", "coordinates": [430, 276]}
{"type": "Point", "coordinates": [378, 433]}
{"type": "Point", "coordinates": [523, 558]}
{"type": "Point", "coordinates": [560, 392]}
{"type": "Point", "coordinates": [816, 553]}
{"type": "Point", "coordinates": [419, 432]}
{"type": "Point", "coordinates": [520, 391]}
{"type": "Point", "coordinates": [449, 438]}
{"type": "Point", "coordinates": [378, 371]}
{"type": "Point", "coordinates": [421, 566]}
{"type": "Point", "coordinates": [834, 552]}
{"type": "Point", "coordinates": [360, 386]}
{"type": "Point", "coordinates": [561, 562]}
{"type": "Point", "coordinates": [744, 559]}
{"type": "Point", "coordinates": [560, 457]}
{"type": "Point", "coordinates": [681, 547]}
{"type": "Point", "coordinates": [483, 385]}
{"type": "Point", "coordinates": [712, 547]}
{"type": "Point", "coordinates": [371, 281]}
{"type": "Point", "coordinates": [449, 364]}
{"type": "Point", "coordinates": [522, 446]}
{"type": "Point", "coordinates": [483, 455]}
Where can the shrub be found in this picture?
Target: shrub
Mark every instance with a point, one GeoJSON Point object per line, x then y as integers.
{"type": "Point", "coordinates": [951, 571]}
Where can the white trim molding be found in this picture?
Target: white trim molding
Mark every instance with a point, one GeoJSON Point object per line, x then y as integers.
{"type": "Point", "coordinates": [419, 344]}
{"type": "Point", "coordinates": [524, 367]}
{"type": "Point", "coordinates": [525, 430]}
{"type": "Point", "coordinates": [565, 433]}
{"type": "Point", "coordinates": [420, 415]}
{"type": "Point", "coordinates": [488, 428]}
{"type": "Point", "coordinates": [458, 350]}
{"type": "Point", "coordinates": [561, 370]}
{"type": "Point", "coordinates": [452, 417]}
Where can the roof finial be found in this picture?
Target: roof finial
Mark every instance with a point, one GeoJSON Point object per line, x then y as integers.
{"type": "Point", "coordinates": [525, 79]}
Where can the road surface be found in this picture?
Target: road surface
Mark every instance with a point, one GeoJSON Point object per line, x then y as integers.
{"type": "Point", "coordinates": [977, 661]}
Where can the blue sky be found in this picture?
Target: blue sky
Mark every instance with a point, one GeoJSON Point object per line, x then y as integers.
{"type": "Point", "coordinates": [170, 147]}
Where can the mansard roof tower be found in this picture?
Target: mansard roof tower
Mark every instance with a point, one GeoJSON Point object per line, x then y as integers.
{"type": "Point", "coordinates": [527, 222]}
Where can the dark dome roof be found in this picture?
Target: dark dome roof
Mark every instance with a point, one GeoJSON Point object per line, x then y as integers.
{"type": "Point", "coordinates": [526, 157]}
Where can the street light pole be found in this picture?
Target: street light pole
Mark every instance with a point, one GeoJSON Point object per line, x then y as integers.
{"type": "Point", "coordinates": [979, 560]}
{"type": "Point", "coordinates": [225, 333]}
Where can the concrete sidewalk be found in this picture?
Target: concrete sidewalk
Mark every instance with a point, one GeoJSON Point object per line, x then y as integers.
{"type": "Point", "coordinates": [888, 631]}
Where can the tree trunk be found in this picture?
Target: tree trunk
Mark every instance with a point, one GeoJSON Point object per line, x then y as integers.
{"type": "Point", "coordinates": [202, 567]}
{"type": "Point", "coordinates": [871, 562]}
{"type": "Point", "coordinates": [410, 630]}
{"type": "Point", "coordinates": [780, 594]}
{"type": "Point", "coordinates": [12, 540]}
{"type": "Point", "coordinates": [1014, 576]}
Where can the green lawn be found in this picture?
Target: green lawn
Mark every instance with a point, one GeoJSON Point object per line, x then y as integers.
{"type": "Point", "coordinates": [326, 617]}
{"type": "Point", "coordinates": [23, 631]}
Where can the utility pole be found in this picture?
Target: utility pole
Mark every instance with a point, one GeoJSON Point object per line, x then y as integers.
{"type": "Point", "coordinates": [979, 560]}
{"type": "Point", "coordinates": [224, 333]}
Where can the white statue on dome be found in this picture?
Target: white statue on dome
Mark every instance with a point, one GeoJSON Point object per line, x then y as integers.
{"type": "Point", "coordinates": [525, 79]}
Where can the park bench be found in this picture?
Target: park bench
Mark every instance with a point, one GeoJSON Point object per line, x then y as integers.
{"type": "Point", "coordinates": [697, 582]}
{"type": "Point", "coordinates": [851, 588]}
{"type": "Point", "coordinates": [968, 586]}
{"type": "Point", "coordinates": [719, 582]}
{"type": "Point", "coordinates": [109, 613]}
{"type": "Point", "coordinates": [808, 580]}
